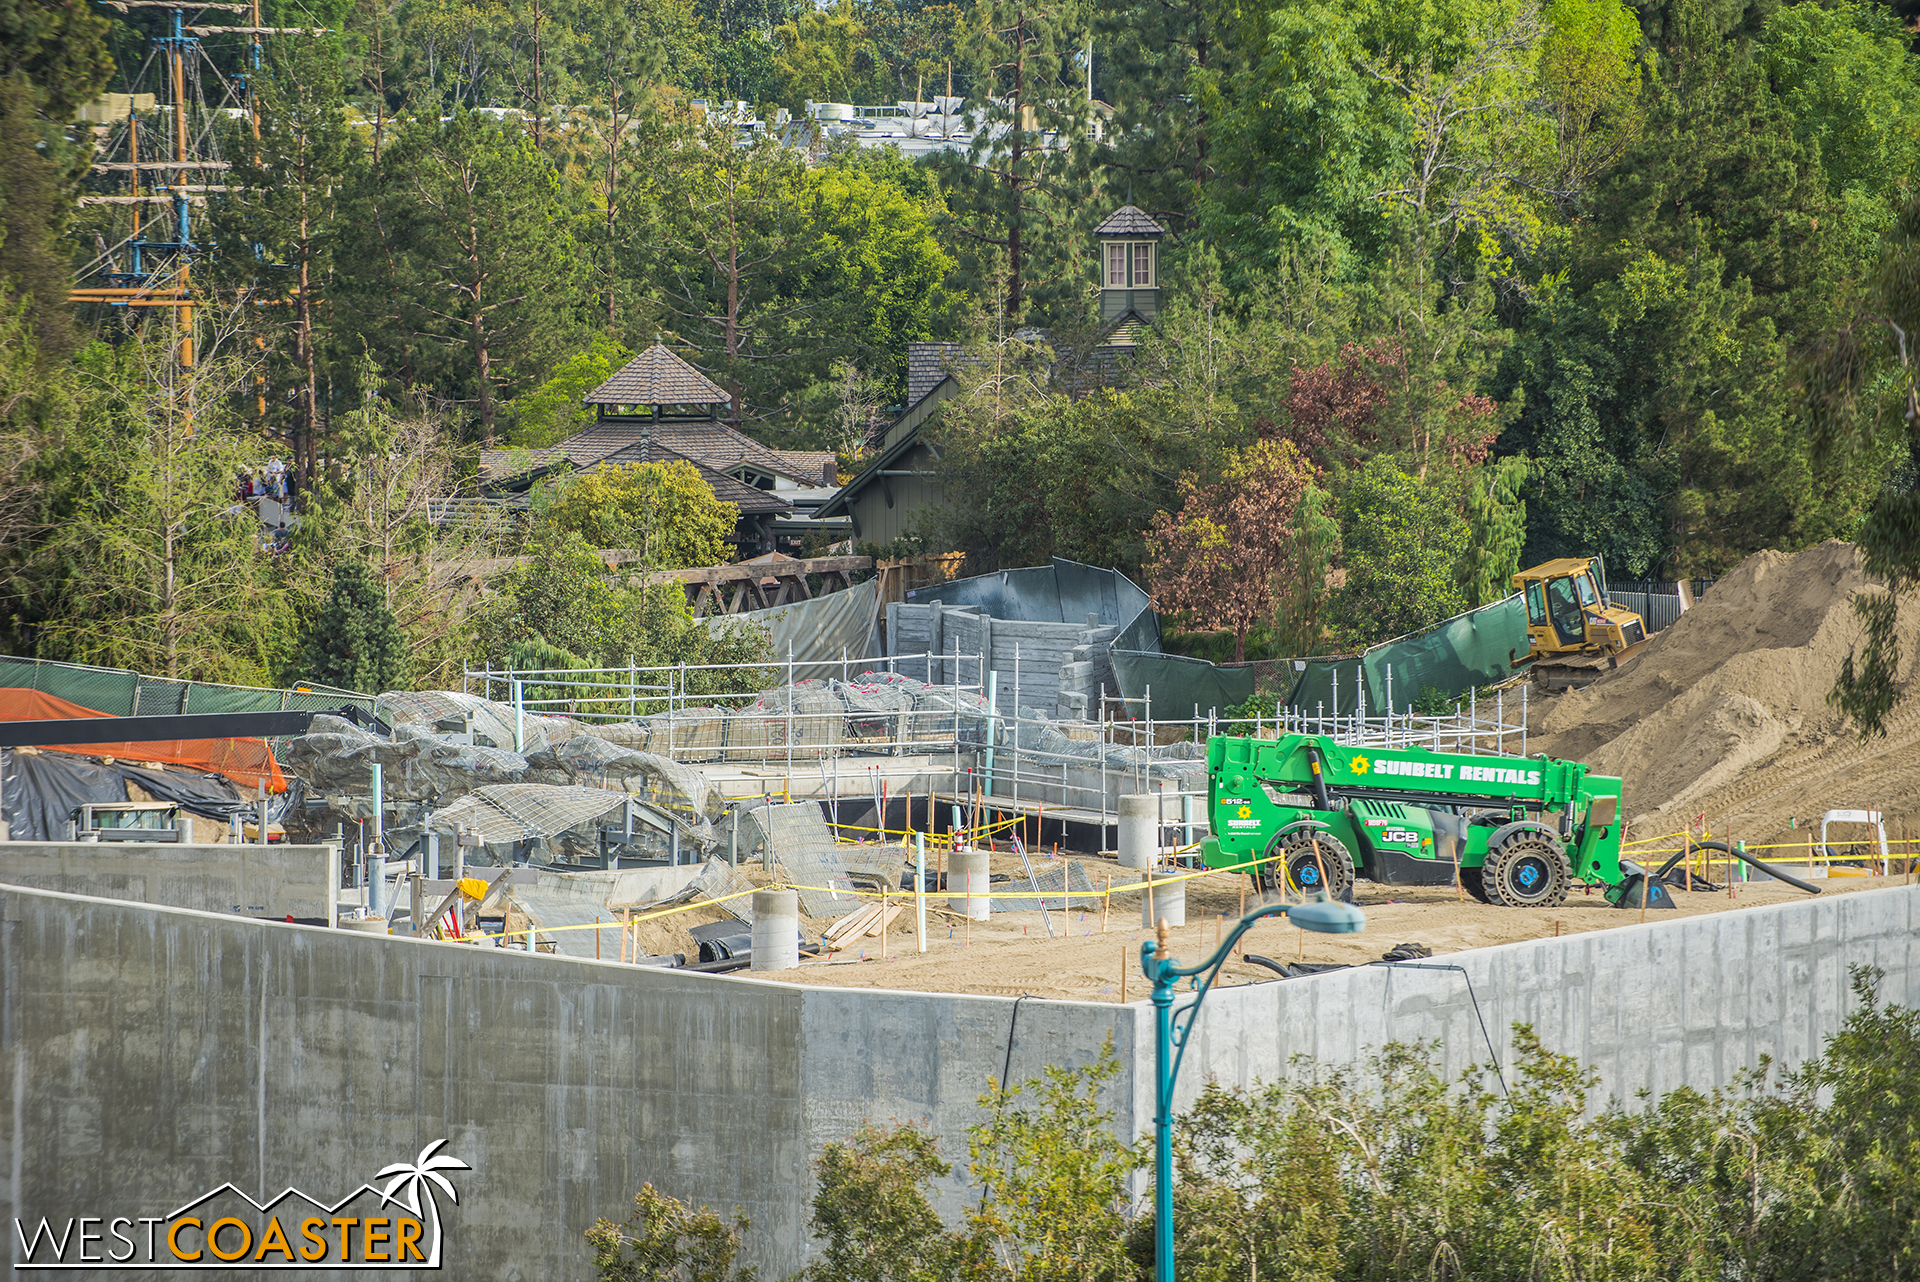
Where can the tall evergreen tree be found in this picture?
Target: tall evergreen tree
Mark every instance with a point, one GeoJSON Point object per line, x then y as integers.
{"type": "Point", "coordinates": [1021, 197]}
{"type": "Point", "coordinates": [354, 641]}
{"type": "Point", "coordinates": [279, 226]}
{"type": "Point", "coordinates": [149, 564]}
{"type": "Point", "coordinates": [479, 270]}
{"type": "Point", "coordinates": [1655, 357]}
{"type": "Point", "coordinates": [1160, 63]}
{"type": "Point", "coordinates": [53, 57]}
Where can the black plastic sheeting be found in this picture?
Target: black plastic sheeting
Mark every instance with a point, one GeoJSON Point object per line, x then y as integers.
{"type": "Point", "coordinates": [723, 940]}
{"type": "Point", "coordinates": [42, 790]}
{"type": "Point", "coordinates": [208, 796]}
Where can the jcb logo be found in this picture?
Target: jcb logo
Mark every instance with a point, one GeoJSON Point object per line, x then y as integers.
{"type": "Point", "coordinates": [1400, 837]}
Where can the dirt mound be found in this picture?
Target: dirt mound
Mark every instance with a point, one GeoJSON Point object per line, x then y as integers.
{"type": "Point", "coordinates": [1738, 684]}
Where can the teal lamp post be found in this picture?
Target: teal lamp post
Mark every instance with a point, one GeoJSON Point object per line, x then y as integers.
{"type": "Point", "coordinates": [1171, 1029]}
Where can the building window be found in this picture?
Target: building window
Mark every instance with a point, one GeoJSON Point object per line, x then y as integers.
{"type": "Point", "coordinates": [1130, 264]}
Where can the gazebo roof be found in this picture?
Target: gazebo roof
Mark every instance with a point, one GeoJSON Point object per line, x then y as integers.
{"type": "Point", "coordinates": [1128, 221]}
{"type": "Point", "coordinates": [657, 377]}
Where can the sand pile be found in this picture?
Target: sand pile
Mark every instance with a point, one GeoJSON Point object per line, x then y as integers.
{"type": "Point", "coordinates": [1738, 687]}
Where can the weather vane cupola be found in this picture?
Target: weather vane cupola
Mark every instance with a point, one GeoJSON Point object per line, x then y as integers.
{"type": "Point", "coordinates": [1130, 262]}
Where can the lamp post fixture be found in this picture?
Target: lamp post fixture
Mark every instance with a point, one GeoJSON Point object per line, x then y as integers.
{"type": "Point", "coordinates": [1171, 1029]}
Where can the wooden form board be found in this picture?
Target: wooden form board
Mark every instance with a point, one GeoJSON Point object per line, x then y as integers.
{"type": "Point", "coordinates": [862, 923]}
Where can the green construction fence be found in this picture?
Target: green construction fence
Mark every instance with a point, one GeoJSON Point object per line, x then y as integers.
{"type": "Point", "coordinates": [121, 693]}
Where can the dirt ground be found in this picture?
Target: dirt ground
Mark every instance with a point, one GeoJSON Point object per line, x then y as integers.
{"type": "Point", "coordinates": [1721, 724]}
{"type": "Point", "coordinates": [1012, 953]}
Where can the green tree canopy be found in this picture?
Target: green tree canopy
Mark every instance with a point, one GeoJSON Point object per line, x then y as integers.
{"type": "Point", "coordinates": [555, 410]}
{"type": "Point", "coordinates": [1402, 538]}
{"type": "Point", "coordinates": [666, 511]}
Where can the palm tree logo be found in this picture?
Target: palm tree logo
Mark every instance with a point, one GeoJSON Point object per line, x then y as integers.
{"type": "Point", "coordinates": [412, 1179]}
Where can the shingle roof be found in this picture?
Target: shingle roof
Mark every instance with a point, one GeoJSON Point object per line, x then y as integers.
{"type": "Point", "coordinates": [657, 377]}
{"type": "Point", "coordinates": [749, 499]}
{"type": "Point", "coordinates": [1128, 221]}
{"type": "Point", "coordinates": [712, 444]}
{"type": "Point", "coordinates": [722, 446]}
{"type": "Point", "coordinates": [927, 364]}
{"type": "Point", "coordinates": [632, 449]}
{"type": "Point", "coordinates": [498, 465]}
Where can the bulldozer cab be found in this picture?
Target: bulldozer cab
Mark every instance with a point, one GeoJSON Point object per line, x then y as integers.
{"type": "Point", "coordinates": [1569, 620]}
{"type": "Point", "coordinates": [1560, 597]}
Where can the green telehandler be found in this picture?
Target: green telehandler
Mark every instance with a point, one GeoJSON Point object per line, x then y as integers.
{"type": "Point", "coordinates": [1311, 814]}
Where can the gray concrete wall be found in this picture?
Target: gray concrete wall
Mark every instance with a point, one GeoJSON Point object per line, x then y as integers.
{"type": "Point", "coordinates": [253, 881]}
{"type": "Point", "coordinates": [1683, 1002]}
{"type": "Point", "coordinates": [153, 1053]}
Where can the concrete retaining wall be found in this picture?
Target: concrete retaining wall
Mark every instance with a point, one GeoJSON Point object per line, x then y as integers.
{"type": "Point", "coordinates": [150, 1054]}
{"type": "Point", "coordinates": [253, 881]}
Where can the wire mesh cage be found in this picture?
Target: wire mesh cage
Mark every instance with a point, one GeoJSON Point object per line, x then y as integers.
{"type": "Point", "coordinates": [808, 717]}
{"type": "Point", "coordinates": [689, 734]}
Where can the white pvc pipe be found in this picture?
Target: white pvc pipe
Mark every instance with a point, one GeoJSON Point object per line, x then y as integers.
{"type": "Point", "coordinates": [919, 878]}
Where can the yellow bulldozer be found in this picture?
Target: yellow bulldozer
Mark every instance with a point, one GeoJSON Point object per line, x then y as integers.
{"type": "Point", "coordinates": [1573, 632]}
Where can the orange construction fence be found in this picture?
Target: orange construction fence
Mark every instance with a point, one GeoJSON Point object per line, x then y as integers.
{"type": "Point", "coordinates": [248, 763]}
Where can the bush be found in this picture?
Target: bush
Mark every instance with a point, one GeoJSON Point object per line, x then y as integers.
{"type": "Point", "coordinates": [1389, 1172]}
{"type": "Point", "coordinates": [354, 642]}
{"type": "Point", "coordinates": [665, 511]}
{"type": "Point", "coordinates": [563, 610]}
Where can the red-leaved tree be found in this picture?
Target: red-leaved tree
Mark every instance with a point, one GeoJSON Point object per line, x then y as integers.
{"type": "Point", "coordinates": [1229, 557]}
{"type": "Point", "coordinates": [1369, 399]}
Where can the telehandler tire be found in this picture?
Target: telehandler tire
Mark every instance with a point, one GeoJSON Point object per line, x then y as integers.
{"type": "Point", "coordinates": [1526, 870]}
{"type": "Point", "coordinates": [1295, 866]}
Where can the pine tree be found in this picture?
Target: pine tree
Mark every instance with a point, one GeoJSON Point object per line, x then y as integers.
{"type": "Point", "coordinates": [53, 57]}
{"type": "Point", "coordinates": [486, 267]}
{"type": "Point", "coordinates": [280, 223]}
{"type": "Point", "coordinates": [1022, 194]}
{"type": "Point", "coordinates": [1160, 63]}
{"type": "Point", "coordinates": [354, 642]}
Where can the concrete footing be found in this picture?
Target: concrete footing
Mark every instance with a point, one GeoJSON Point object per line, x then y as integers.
{"type": "Point", "coordinates": [1139, 830]}
{"type": "Point", "coordinates": [776, 930]}
{"type": "Point", "coordinates": [969, 873]}
{"type": "Point", "coordinates": [1163, 901]}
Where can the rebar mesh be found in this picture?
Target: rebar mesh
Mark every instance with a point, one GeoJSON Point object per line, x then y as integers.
{"type": "Point", "coordinates": [420, 764]}
{"type": "Point", "coordinates": [566, 820]}
{"type": "Point", "coordinates": [944, 714]}
{"type": "Point", "coordinates": [718, 882]}
{"type": "Point", "coordinates": [877, 705]}
{"type": "Point", "coordinates": [491, 723]}
{"type": "Point", "coordinates": [820, 880]}
{"type": "Point", "coordinates": [690, 734]}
